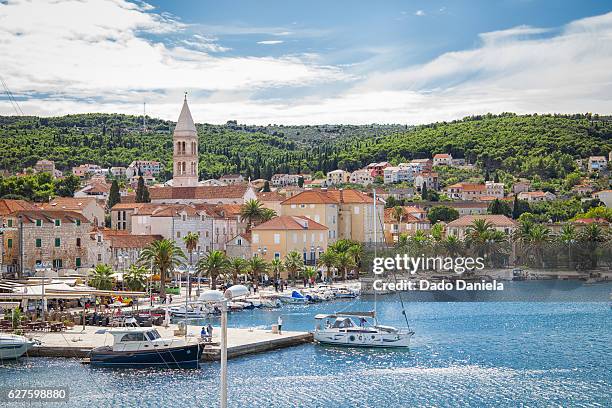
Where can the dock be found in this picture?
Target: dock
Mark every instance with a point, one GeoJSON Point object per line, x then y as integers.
{"type": "Point", "coordinates": [78, 343]}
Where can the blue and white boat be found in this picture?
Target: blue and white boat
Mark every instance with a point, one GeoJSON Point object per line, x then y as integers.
{"type": "Point", "coordinates": [295, 298]}
{"type": "Point", "coordinates": [13, 346]}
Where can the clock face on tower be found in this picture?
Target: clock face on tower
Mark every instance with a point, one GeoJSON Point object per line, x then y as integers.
{"type": "Point", "coordinates": [185, 156]}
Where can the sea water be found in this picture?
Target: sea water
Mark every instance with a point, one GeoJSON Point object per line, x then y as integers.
{"type": "Point", "coordinates": [556, 352]}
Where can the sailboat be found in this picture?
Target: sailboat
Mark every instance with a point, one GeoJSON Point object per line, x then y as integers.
{"type": "Point", "coordinates": [343, 331]}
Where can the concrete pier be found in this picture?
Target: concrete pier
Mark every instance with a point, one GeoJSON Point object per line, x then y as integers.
{"type": "Point", "coordinates": [76, 343]}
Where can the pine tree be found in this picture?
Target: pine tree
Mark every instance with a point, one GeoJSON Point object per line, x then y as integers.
{"type": "Point", "coordinates": [113, 195]}
{"type": "Point", "coordinates": [301, 182]}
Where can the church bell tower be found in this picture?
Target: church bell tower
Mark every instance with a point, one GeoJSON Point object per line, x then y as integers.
{"type": "Point", "coordinates": [185, 156]}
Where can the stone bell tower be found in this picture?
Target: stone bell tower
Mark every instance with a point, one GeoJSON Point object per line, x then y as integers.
{"type": "Point", "coordinates": [185, 157]}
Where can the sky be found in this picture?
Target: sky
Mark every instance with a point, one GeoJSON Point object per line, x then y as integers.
{"type": "Point", "coordinates": [306, 62]}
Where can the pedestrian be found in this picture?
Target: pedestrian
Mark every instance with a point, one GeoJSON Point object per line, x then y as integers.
{"type": "Point", "coordinates": [276, 285]}
{"type": "Point", "coordinates": [305, 280]}
{"type": "Point", "coordinates": [280, 325]}
{"type": "Point", "coordinates": [209, 330]}
{"type": "Point", "coordinates": [170, 298]}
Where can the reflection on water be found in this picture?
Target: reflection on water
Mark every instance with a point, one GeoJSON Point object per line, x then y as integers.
{"type": "Point", "coordinates": [463, 354]}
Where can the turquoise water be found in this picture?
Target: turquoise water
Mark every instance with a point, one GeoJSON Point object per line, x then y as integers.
{"type": "Point", "coordinates": [494, 354]}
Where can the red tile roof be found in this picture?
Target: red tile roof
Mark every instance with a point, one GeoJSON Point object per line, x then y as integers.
{"type": "Point", "coordinates": [69, 203]}
{"type": "Point", "coordinates": [288, 222]}
{"type": "Point", "coordinates": [497, 220]}
{"type": "Point", "coordinates": [198, 192]}
{"type": "Point", "coordinates": [270, 196]}
{"type": "Point", "coordinates": [10, 206]}
{"type": "Point", "coordinates": [30, 216]}
{"type": "Point", "coordinates": [132, 241]}
{"type": "Point", "coordinates": [329, 197]}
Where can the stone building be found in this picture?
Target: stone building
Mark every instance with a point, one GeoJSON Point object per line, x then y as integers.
{"type": "Point", "coordinates": [185, 157]}
{"type": "Point", "coordinates": [56, 237]}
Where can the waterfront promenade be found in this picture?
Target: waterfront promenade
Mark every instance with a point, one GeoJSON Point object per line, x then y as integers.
{"type": "Point", "coordinates": [77, 343]}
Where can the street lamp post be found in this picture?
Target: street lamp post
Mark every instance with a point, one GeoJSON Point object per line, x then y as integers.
{"type": "Point", "coordinates": [42, 268]}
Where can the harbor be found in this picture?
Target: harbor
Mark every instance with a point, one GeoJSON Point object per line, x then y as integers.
{"type": "Point", "coordinates": [78, 343]}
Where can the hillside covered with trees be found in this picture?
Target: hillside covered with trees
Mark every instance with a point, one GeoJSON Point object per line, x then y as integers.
{"type": "Point", "coordinates": [539, 147]}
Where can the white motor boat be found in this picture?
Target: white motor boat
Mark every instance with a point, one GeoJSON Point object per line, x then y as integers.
{"type": "Point", "coordinates": [346, 293]}
{"type": "Point", "coordinates": [270, 303]}
{"type": "Point", "coordinates": [13, 346]}
{"type": "Point", "coordinates": [295, 298]}
{"type": "Point", "coordinates": [194, 310]}
{"type": "Point", "coordinates": [343, 331]}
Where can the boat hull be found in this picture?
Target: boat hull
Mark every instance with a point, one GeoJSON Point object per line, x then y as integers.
{"type": "Point", "coordinates": [14, 347]}
{"type": "Point", "coordinates": [363, 339]}
{"type": "Point", "coordinates": [172, 357]}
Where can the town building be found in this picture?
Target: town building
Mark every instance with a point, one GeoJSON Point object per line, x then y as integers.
{"type": "Point", "coordinates": [97, 188]}
{"type": "Point", "coordinates": [346, 213]}
{"type": "Point", "coordinates": [461, 225]}
{"type": "Point", "coordinates": [421, 165]}
{"type": "Point", "coordinates": [281, 180]}
{"type": "Point", "coordinates": [337, 177]}
{"type": "Point", "coordinates": [55, 237]}
{"type": "Point", "coordinates": [378, 169]}
{"type": "Point", "coordinates": [398, 174]}
{"type": "Point", "coordinates": [118, 249]}
{"type": "Point", "coordinates": [605, 196]}
{"type": "Point", "coordinates": [442, 159]}
{"type": "Point", "coordinates": [475, 207]}
{"type": "Point", "coordinates": [212, 182]}
{"type": "Point", "coordinates": [271, 200]}
{"type": "Point", "coordinates": [231, 179]}
{"type": "Point", "coordinates": [274, 239]}
{"type": "Point", "coordinates": [362, 177]}
{"type": "Point", "coordinates": [401, 193]}
{"type": "Point", "coordinates": [185, 157]}
{"type": "Point", "coordinates": [521, 186]}
{"type": "Point", "coordinates": [426, 178]}
{"type": "Point", "coordinates": [143, 168]}
{"type": "Point", "coordinates": [86, 170]}
{"type": "Point", "coordinates": [474, 191]}
{"type": "Point", "coordinates": [45, 166]}
{"type": "Point", "coordinates": [597, 163]}
{"type": "Point", "coordinates": [536, 196]}
{"type": "Point", "coordinates": [118, 172]}
{"type": "Point", "coordinates": [89, 207]}
{"type": "Point", "coordinates": [236, 194]}
{"type": "Point", "coordinates": [239, 246]}
{"type": "Point", "coordinates": [407, 224]}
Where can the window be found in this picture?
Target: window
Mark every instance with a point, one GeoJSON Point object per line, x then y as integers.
{"type": "Point", "coordinates": [38, 243]}
{"type": "Point", "coordinates": [184, 217]}
{"type": "Point", "coordinates": [78, 262]}
{"type": "Point", "coordinates": [99, 257]}
{"type": "Point", "coordinates": [9, 243]}
{"type": "Point", "coordinates": [277, 238]}
{"type": "Point", "coordinates": [9, 223]}
{"type": "Point", "coordinates": [58, 242]}
{"type": "Point", "coordinates": [153, 334]}
{"type": "Point", "coordinates": [178, 234]}
{"type": "Point", "coordinates": [39, 223]}
{"type": "Point", "coordinates": [57, 263]}
{"type": "Point", "coordinates": [133, 337]}
{"type": "Point", "coordinates": [239, 241]}
{"type": "Point", "coordinates": [58, 223]}
{"type": "Point", "coordinates": [99, 238]}
{"type": "Point", "coordinates": [78, 242]}
{"type": "Point", "coordinates": [356, 210]}
{"type": "Point", "coordinates": [302, 205]}
{"type": "Point", "coordinates": [276, 255]}
{"type": "Point", "coordinates": [292, 205]}
{"type": "Point", "coordinates": [255, 238]}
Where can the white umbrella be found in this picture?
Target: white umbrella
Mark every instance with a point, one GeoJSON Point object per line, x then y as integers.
{"type": "Point", "coordinates": [235, 291]}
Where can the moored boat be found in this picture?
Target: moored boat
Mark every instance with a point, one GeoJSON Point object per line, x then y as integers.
{"type": "Point", "coordinates": [13, 346]}
{"type": "Point", "coordinates": [295, 298]}
{"type": "Point", "coordinates": [138, 347]}
{"type": "Point", "coordinates": [344, 332]}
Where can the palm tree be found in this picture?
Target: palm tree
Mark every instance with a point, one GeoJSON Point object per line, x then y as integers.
{"type": "Point", "coordinates": [539, 236]}
{"type": "Point", "coordinates": [310, 272]}
{"type": "Point", "coordinates": [356, 251]}
{"type": "Point", "coordinates": [136, 277]}
{"type": "Point", "coordinates": [164, 255]}
{"type": "Point", "coordinates": [101, 278]}
{"type": "Point", "coordinates": [214, 264]}
{"type": "Point", "coordinates": [477, 235]}
{"type": "Point", "coordinates": [398, 213]}
{"type": "Point", "coordinates": [191, 243]}
{"type": "Point", "coordinates": [327, 259]}
{"type": "Point", "coordinates": [257, 267]}
{"type": "Point", "coordinates": [267, 214]}
{"type": "Point", "coordinates": [237, 266]}
{"type": "Point", "coordinates": [251, 212]}
{"type": "Point", "coordinates": [276, 266]}
{"type": "Point", "coordinates": [591, 236]}
{"type": "Point", "coordinates": [452, 246]}
{"type": "Point", "coordinates": [568, 237]}
{"type": "Point", "coordinates": [344, 261]}
{"type": "Point", "coordinates": [294, 263]}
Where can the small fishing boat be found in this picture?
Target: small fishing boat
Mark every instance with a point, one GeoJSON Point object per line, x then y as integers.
{"type": "Point", "coordinates": [344, 332]}
{"type": "Point", "coordinates": [295, 298]}
{"type": "Point", "coordinates": [13, 346]}
{"type": "Point", "coordinates": [138, 347]}
{"type": "Point", "coordinates": [346, 293]}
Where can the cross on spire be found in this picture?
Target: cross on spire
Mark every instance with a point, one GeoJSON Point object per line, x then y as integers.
{"type": "Point", "coordinates": [185, 95]}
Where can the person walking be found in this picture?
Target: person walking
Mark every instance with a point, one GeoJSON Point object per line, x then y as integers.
{"type": "Point", "coordinates": [280, 325]}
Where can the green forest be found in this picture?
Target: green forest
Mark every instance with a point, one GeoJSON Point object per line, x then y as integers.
{"type": "Point", "coordinates": [540, 147]}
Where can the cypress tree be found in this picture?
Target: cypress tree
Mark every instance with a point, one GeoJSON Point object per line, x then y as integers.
{"type": "Point", "coordinates": [142, 192]}
{"type": "Point", "coordinates": [113, 195]}
{"type": "Point", "coordinates": [424, 194]}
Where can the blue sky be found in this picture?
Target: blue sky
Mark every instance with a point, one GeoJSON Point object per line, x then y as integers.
{"type": "Point", "coordinates": [307, 61]}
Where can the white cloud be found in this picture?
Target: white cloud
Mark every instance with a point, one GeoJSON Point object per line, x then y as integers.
{"type": "Point", "coordinates": [419, 13]}
{"type": "Point", "coordinates": [109, 49]}
{"type": "Point", "coordinates": [100, 62]}
{"type": "Point", "coordinates": [270, 42]}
